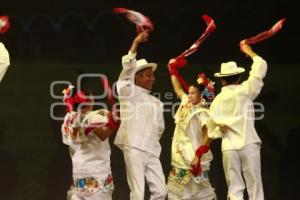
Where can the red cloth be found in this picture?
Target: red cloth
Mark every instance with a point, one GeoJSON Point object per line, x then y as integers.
{"type": "Point", "coordinates": [114, 124]}
{"type": "Point", "coordinates": [180, 60]}
{"type": "Point", "coordinates": [201, 150]}
{"type": "Point", "coordinates": [141, 21]}
{"type": "Point", "coordinates": [209, 29]}
{"type": "Point", "coordinates": [197, 170]}
{"type": "Point", "coordinates": [4, 24]}
{"type": "Point", "coordinates": [173, 70]}
{"type": "Point", "coordinates": [79, 98]}
{"type": "Point", "coordinates": [108, 90]}
{"type": "Point", "coordinates": [266, 34]}
{"type": "Point", "coordinates": [178, 63]}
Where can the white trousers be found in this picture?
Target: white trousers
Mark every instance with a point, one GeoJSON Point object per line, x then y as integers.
{"type": "Point", "coordinates": [243, 163]}
{"type": "Point", "coordinates": [95, 196]}
{"type": "Point", "coordinates": [190, 191]}
{"type": "Point", "coordinates": [141, 165]}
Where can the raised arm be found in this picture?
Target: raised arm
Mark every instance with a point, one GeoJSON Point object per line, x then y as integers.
{"type": "Point", "coordinates": [252, 86]}
{"type": "Point", "coordinates": [126, 78]}
{"type": "Point", "coordinates": [247, 49]}
{"type": "Point", "coordinates": [174, 79]}
{"type": "Point", "coordinates": [140, 38]}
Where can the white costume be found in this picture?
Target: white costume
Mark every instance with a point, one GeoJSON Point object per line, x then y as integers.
{"type": "Point", "coordinates": [90, 156]}
{"type": "Point", "coordinates": [240, 144]}
{"type": "Point", "coordinates": [142, 125]}
{"type": "Point", "coordinates": [188, 136]}
{"type": "Point", "coordinates": [4, 60]}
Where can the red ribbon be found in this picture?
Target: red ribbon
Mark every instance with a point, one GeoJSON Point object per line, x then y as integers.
{"type": "Point", "coordinates": [173, 70]}
{"type": "Point", "coordinates": [4, 24]}
{"type": "Point", "coordinates": [141, 21]}
{"type": "Point", "coordinates": [210, 27]}
{"type": "Point", "coordinates": [111, 101]}
{"type": "Point", "coordinates": [266, 34]}
{"type": "Point", "coordinates": [180, 60]}
{"type": "Point", "coordinates": [79, 98]}
{"type": "Point", "coordinates": [197, 170]}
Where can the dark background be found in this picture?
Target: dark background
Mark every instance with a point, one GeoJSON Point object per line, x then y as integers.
{"type": "Point", "coordinates": [59, 40]}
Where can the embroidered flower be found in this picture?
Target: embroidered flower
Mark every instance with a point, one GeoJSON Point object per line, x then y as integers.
{"type": "Point", "coordinates": [85, 185]}
{"type": "Point", "coordinates": [108, 184]}
{"type": "Point", "coordinates": [181, 176]}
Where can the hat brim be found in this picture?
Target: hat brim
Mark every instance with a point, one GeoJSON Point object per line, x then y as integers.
{"type": "Point", "coordinates": [153, 66]}
{"type": "Point", "coordinates": [239, 71]}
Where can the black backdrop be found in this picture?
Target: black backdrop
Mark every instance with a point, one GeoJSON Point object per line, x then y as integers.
{"type": "Point", "coordinates": [88, 29]}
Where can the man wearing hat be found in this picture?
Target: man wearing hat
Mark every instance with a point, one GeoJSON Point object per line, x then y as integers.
{"type": "Point", "coordinates": [232, 113]}
{"type": "Point", "coordinates": [142, 125]}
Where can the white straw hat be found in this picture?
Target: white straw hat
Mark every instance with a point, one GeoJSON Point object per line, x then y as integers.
{"type": "Point", "coordinates": [229, 69]}
{"type": "Point", "coordinates": [143, 64]}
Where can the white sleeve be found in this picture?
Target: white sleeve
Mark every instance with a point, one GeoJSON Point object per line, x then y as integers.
{"type": "Point", "coordinates": [161, 119]}
{"type": "Point", "coordinates": [213, 130]}
{"type": "Point", "coordinates": [126, 78]}
{"type": "Point", "coordinates": [4, 60]}
{"type": "Point", "coordinates": [97, 117]}
{"type": "Point", "coordinates": [252, 86]}
{"type": "Point", "coordinates": [202, 118]}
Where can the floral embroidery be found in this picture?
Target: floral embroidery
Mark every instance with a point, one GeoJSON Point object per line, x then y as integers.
{"type": "Point", "coordinates": [90, 185]}
{"type": "Point", "coordinates": [182, 176]}
{"type": "Point", "coordinates": [74, 126]}
{"type": "Point", "coordinates": [108, 184]}
{"type": "Point", "coordinates": [86, 185]}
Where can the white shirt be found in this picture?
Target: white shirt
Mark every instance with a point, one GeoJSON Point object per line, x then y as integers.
{"type": "Point", "coordinates": [234, 108]}
{"type": "Point", "coordinates": [142, 121]}
{"type": "Point", "coordinates": [4, 60]}
{"type": "Point", "coordinates": [188, 135]}
{"type": "Point", "coordinates": [90, 155]}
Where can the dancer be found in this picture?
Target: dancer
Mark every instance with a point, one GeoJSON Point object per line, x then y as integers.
{"type": "Point", "coordinates": [190, 132]}
{"type": "Point", "coordinates": [86, 133]}
{"type": "Point", "coordinates": [233, 109]}
{"type": "Point", "coordinates": [142, 125]}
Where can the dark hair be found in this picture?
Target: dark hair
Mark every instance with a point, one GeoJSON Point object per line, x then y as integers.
{"type": "Point", "coordinates": [199, 87]}
{"type": "Point", "coordinates": [232, 79]}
